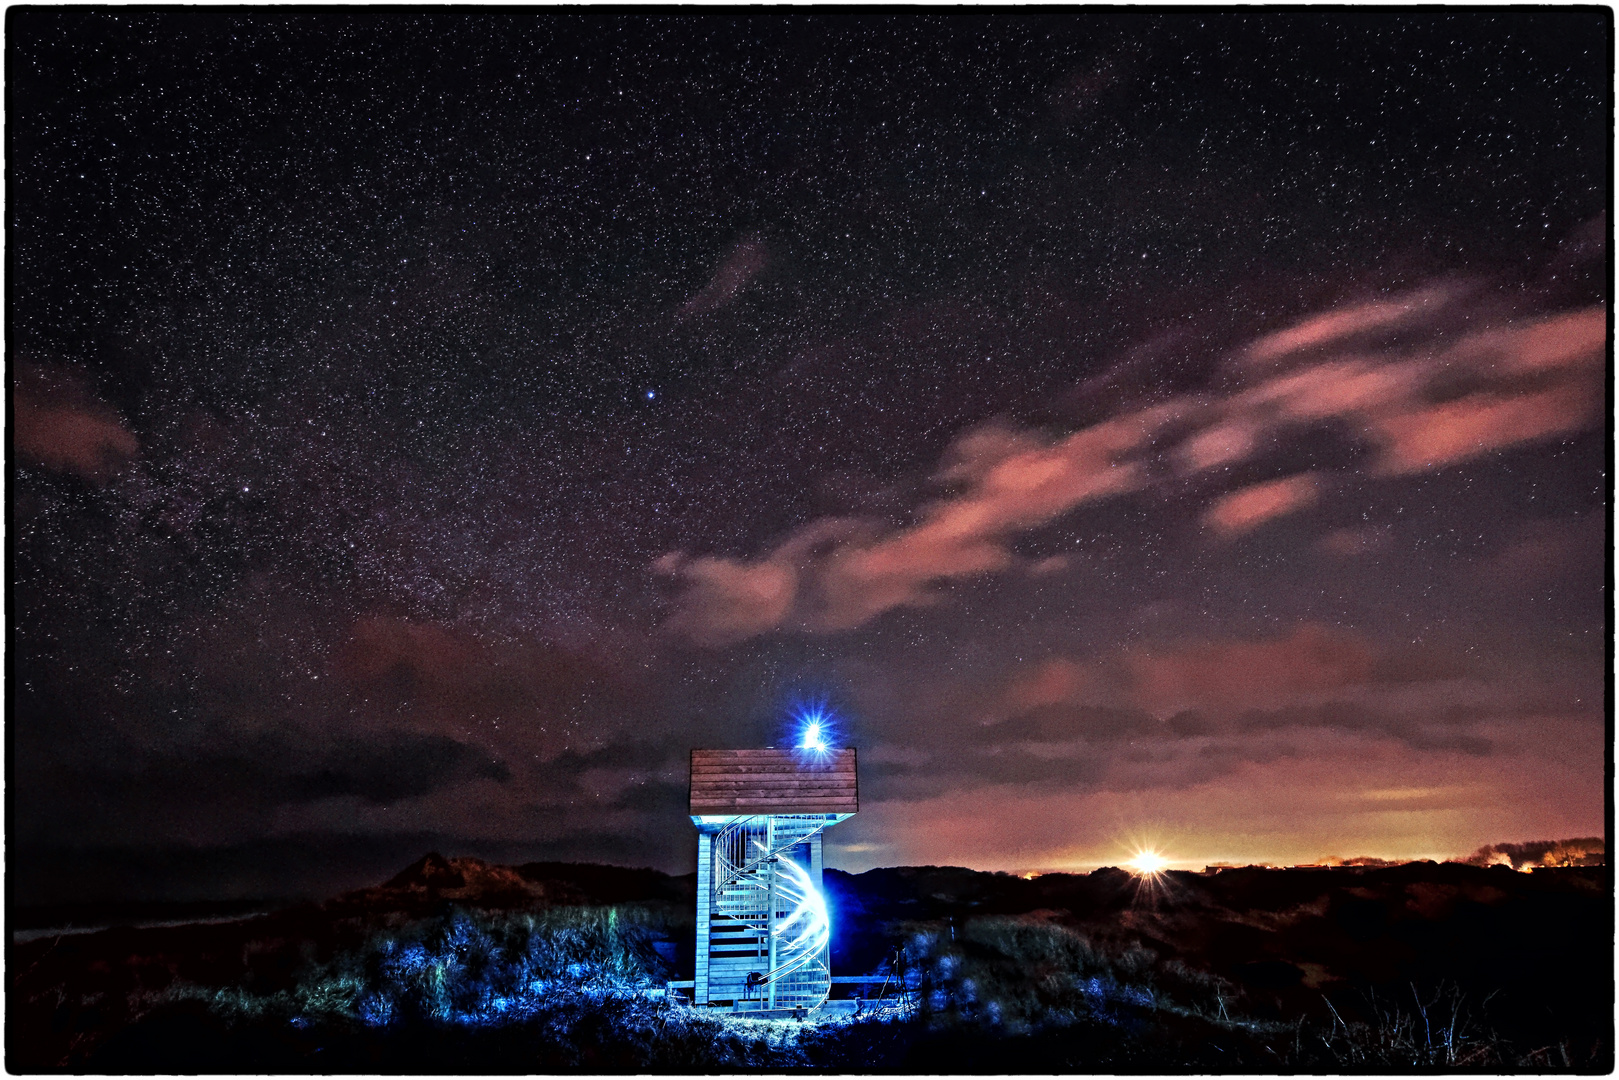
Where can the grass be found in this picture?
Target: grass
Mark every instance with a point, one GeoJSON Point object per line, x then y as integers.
{"type": "Point", "coordinates": [566, 989]}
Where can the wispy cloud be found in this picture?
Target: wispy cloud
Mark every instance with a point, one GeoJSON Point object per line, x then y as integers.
{"type": "Point", "coordinates": [836, 573]}
{"type": "Point", "coordinates": [59, 423]}
{"type": "Point", "coordinates": [1243, 510]}
{"type": "Point", "coordinates": [1343, 324]}
{"type": "Point", "coordinates": [1393, 375]}
{"type": "Point", "coordinates": [745, 262]}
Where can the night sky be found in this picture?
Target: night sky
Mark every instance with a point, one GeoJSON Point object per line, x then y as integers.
{"type": "Point", "coordinates": [1137, 427]}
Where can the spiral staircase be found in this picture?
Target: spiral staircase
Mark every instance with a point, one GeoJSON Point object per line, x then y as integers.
{"type": "Point", "coordinates": [768, 913]}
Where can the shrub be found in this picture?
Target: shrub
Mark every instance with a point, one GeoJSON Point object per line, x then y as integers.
{"type": "Point", "coordinates": [1019, 974]}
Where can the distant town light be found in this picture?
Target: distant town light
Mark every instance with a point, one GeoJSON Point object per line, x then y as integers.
{"type": "Point", "coordinates": [1148, 862]}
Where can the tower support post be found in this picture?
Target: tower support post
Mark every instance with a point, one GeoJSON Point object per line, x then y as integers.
{"type": "Point", "coordinates": [705, 886]}
{"type": "Point", "coordinates": [773, 898]}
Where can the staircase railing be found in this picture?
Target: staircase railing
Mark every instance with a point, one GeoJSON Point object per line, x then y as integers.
{"type": "Point", "coordinates": [733, 859]}
{"type": "Point", "coordinates": [781, 971]}
{"type": "Point", "coordinates": [741, 851]}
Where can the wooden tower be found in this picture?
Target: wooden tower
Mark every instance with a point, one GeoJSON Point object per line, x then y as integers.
{"type": "Point", "coordinates": [763, 932]}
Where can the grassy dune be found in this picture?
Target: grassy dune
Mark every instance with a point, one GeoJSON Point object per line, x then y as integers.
{"type": "Point", "coordinates": [456, 966]}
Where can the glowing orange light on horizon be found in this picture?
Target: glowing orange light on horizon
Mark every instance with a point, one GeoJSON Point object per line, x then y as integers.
{"type": "Point", "coordinates": [1148, 862]}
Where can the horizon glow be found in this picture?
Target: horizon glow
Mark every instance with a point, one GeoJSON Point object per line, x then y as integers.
{"type": "Point", "coordinates": [1148, 863]}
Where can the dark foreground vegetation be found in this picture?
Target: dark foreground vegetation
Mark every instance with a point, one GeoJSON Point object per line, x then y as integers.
{"type": "Point", "coordinates": [458, 966]}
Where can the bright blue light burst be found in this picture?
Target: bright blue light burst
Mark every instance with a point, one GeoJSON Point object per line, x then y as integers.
{"type": "Point", "coordinates": [814, 728]}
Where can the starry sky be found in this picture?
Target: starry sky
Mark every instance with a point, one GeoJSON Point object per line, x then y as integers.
{"type": "Point", "coordinates": [1131, 427]}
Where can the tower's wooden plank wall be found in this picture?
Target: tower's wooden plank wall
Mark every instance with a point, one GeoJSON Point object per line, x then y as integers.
{"type": "Point", "coordinates": [773, 781]}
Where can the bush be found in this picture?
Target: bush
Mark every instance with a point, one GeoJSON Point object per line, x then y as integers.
{"type": "Point", "coordinates": [464, 968]}
{"type": "Point", "coordinates": [1020, 974]}
{"type": "Point", "coordinates": [565, 989]}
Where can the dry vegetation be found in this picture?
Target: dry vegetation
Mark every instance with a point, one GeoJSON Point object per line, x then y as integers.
{"type": "Point", "coordinates": [992, 974]}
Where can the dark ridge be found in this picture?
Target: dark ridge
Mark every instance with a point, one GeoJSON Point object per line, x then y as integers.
{"type": "Point", "coordinates": [137, 913]}
{"type": "Point", "coordinates": [430, 871]}
{"type": "Point", "coordinates": [600, 883]}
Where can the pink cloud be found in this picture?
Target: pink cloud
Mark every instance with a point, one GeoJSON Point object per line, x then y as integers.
{"type": "Point", "coordinates": [1455, 431]}
{"type": "Point", "coordinates": [1222, 443]}
{"type": "Point", "coordinates": [1537, 380]}
{"type": "Point", "coordinates": [1426, 404]}
{"type": "Point", "coordinates": [1348, 543]}
{"type": "Point", "coordinates": [966, 535]}
{"type": "Point", "coordinates": [1052, 683]}
{"type": "Point", "coordinates": [1341, 388]}
{"type": "Point", "coordinates": [1572, 340]}
{"type": "Point", "coordinates": [59, 423]}
{"type": "Point", "coordinates": [845, 576]}
{"type": "Point", "coordinates": [728, 600]}
{"type": "Point", "coordinates": [1248, 674]}
{"type": "Point", "coordinates": [744, 263]}
{"type": "Point", "coordinates": [1525, 382]}
{"type": "Point", "coordinates": [1333, 326]}
{"type": "Point", "coordinates": [1242, 510]}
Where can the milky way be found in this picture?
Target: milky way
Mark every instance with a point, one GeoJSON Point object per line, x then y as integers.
{"type": "Point", "coordinates": [1171, 426]}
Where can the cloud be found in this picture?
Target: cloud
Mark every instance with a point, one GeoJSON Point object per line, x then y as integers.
{"type": "Point", "coordinates": [726, 600]}
{"type": "Point", "coordinates": [1453, 383]}
{"type": "Point", "coordinates": [522, 701]}
{"type": "Point", "coordinates": [1245, 674]}
{"type": "Point", "coordinates": [407, 657]}
{"type": "Point", "coordinates": [1223, 677]}
{"type": "Point", "coordinates": [731, 599]}
{"type": "Point", "coordinates": [1181, 712]}
{"type": "Point", "coordinates": [1543, 552]}
{"type": "Point", "coordinates": [843, 573]}
{"type": "Point", "coordinates": [60, 424]}
{"type": "Point", "coordinates": [1334, 327]}
{"type": "Point", "coordinates": [1012, 483]}
{"type": "Point", "coordinates": [1224, 442]}
{"type": "Point", "coordinates": [745, 262]}
{"type": "Point", "coordinates": [212, 790]}
{"type": "Point", "coordinates": [1251, 803]}
{"type": "Point", "coordinates": [1052, 682]}
{"type": "Point", "coordinates": [1443, 732]}
{"type": "Point", "coordinates": [1245, 509]}
{"type": "Point", "coordinates": [1426, 407]}
{"type": "Point", "coordinates": [1427, 438]}
{"type": "Point", "coordinates": [1574, 339]}
{"type": "Point", "coordinates": [451, 671]}
{"type": "Point", "coordinates": [1348, 543]}
{"type": "Point", "coordinates": [402, 766]}
{"type": "Point", "coordinates": [1580, 851]}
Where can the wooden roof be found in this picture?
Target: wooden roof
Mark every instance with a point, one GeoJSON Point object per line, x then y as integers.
{"type": "Point", "coordinates": [773, 781]}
